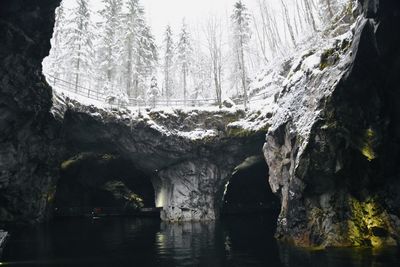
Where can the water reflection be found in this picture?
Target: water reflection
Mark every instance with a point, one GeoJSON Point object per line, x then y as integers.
{"type": "Point", "coordinates": [149, 242]}
{"type": "Point", "coordinates": [189, 244]}
{"type": "Point", "coordinates": [347, 257]}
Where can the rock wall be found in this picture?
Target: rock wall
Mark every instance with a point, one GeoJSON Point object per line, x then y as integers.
{"type": "Point", "coordinates": [333, 147]}
{"type": "Point", "coordinates": [28, 132]}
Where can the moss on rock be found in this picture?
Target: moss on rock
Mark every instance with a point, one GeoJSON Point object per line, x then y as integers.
{"type": "Point", "coordinates": [369, 224]}
{"type": "Point", "coordinates": [238, 131]}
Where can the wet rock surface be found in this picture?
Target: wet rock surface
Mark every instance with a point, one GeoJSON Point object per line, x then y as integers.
{"type": "Point", "coordinates": [332, 148]}
{"type": "Point", "coordinates": [29, 144]}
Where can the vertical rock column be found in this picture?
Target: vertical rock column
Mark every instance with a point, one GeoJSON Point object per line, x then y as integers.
{"type": "Point", "coordinates": [190, 191]}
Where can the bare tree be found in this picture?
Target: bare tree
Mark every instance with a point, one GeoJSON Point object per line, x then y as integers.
{"type": "Point", "coordinates": [261, 37]}
{"type": "Point", "coordinates": [242, 34]}
{"type": "Point", "coordinates": [308, 4]}
{"type": "Point", "coordinates": [214, 36]}
{"type": "Point", "coordinates": [168, 62]}
{"type": "Point", "coordinates": [288, 22]}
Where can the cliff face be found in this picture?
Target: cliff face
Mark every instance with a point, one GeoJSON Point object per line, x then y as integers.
{"type": "Point", "coordinates": [28, 135]}
{"type": "Point", "coordinates": [333, 147]}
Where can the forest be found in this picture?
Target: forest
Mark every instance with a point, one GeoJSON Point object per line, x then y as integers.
{"type": "Point", "coordinates": [111, 54]}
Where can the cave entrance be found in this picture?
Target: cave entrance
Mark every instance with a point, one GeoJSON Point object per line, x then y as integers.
{"type": "Point", "coordinates": [103, 185]}
{"type": "Point", "coordinates": [248, 190]}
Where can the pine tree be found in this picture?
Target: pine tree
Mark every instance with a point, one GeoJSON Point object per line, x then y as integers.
{"type": "Point", "coordinates": [154, 92]}
{"type": "Point", "coordinates": [139, 51]}
{"type": "Point", "coordinates": [134, 21]}
{"type": "Point", "coordinates": [169, 47]}
{"type": "Point", "coordinates": [79, 45]}
{"type": "Point", "coordinates": [242, 34]}
{"type": "Point", "coordinates": [147, 57]}
{"type": "Point", "coordinates": [185, 52]}
{"type": "Point", "coordinates": [54, 64]}
{"type": "Point", "coordinates": [110, 43]}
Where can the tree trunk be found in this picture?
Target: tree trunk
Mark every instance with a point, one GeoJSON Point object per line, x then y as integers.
{"type": "Point", "coordinates": [129, 71]}
{"type": "Point", "coordinates": [287, 19]}
{"type": "Point", "coordinates": [184, 85]}
{"type": "Point", "coordinates": [328, 2]}
{"type": "Point", "coordinates": [167, 81]}
{"type": "Point", "coordinates": [77, 70]}
{"type": "Point", "coordinates": [241, 48]}
{"type": "Point", "coordinates": [310, 14]}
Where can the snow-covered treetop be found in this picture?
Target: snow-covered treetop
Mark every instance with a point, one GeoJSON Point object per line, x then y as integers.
{"type": "Point", "coordinates": [109, 47]}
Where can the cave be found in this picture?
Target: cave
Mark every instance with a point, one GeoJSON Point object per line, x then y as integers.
{"type": "Point", "coordinates": [104, 184]}
{"type": "Point", "coordinates": [248, 191]}
{"type": "Point", "coordinates": [328, 130]}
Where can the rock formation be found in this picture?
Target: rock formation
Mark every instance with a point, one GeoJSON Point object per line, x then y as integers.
{"type": "Point", "coordinates": [333, 148]}
{"type": "Point", "coordinates": [189, 155]}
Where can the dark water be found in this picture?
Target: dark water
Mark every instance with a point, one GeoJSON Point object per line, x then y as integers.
{"type": "Point", "coordinates": [149, 242]}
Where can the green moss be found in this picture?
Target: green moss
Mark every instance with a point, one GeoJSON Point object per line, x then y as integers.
{"type": "Point", "coordinates": [237, 132]}
{"type": "Point", "coordinates": [51, 194]}
{"type": "Point", "coordinates": [328, 58]}
{"type": "Point", "coordinates": [121, 192]}
{"type": "Point", "coordinates": [367, 148]}
{"type": "Point", "coordinates": [369, 224]}
{"type": "Point", "coordinates": [70, 162]}
{"type": "Point", "coordinates": [84, 156]}
{"type": "Point", "coordinates": [242, 132]}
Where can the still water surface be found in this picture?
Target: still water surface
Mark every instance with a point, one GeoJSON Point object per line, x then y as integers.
{"type": "Point", "coordinates": [149, 242]}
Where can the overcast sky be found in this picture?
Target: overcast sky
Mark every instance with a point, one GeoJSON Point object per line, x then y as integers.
{"type": "Point", "coordinates": [162, 12]}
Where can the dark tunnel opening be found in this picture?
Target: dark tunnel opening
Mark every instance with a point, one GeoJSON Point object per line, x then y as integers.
{"type": "Point", "coordinates": [248, 191]}
{"type": "Point", "coordinates": [102, 184]}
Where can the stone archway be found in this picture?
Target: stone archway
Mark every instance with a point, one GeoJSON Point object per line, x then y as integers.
{"type": "Point", "coordinates": [90, 181]}
{"type": "Point", "coordinates": [248, 190]}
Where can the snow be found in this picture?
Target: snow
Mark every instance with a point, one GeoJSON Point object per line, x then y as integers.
{"type": "Point", "coordinates": [198, 134]}
{"type": "Point", "coordinates": [311, 63]}
{"type": "Point", "coordinates": [81, 99]}
{"type": "Point", "coordinates": [281, 91]}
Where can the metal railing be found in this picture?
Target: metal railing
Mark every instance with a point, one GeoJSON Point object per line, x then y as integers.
{"type": "Point", "coordinates": [60, 84]}
{"type": "Point", "coordinates": [96, 95]}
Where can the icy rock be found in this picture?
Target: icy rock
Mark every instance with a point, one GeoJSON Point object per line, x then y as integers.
{"type": "Point", "coordinates": [228, 103]}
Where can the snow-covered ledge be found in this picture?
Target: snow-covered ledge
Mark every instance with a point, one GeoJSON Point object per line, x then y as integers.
{"type": "Point", "coordinates": [189, 153]}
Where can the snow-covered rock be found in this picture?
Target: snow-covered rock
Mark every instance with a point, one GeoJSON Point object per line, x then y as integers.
{"type": "Point", "coordinates": [189, 153]}
{"type": "Point", "coordinates": [329, 146]}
